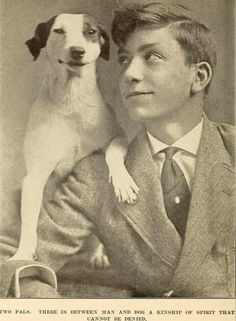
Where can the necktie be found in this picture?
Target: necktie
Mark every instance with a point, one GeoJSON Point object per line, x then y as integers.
{"type": "Point", "coordinates": [176, 192]}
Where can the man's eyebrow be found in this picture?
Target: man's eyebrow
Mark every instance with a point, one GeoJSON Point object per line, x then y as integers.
{"type": "Point", "coordinates": [147, 46]}
{"type": "Point", "coordinates": [140, 49]}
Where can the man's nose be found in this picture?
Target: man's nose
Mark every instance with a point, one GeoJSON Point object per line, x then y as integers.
{"type": "Point", "coordinates": [77, 53]}
{"type": "Point", "coordinates": [134, 71]}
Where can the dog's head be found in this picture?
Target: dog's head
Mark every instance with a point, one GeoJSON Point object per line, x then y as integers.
{"type": "Point", "coordinates": [71, 39]}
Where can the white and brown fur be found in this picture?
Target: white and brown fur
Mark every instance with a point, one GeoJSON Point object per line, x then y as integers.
{"type": "Point", "coordinates": [69, 119]}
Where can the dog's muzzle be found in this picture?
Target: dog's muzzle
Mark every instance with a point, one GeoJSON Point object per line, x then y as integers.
{"type": "Point", "coordinates": [77, 53]}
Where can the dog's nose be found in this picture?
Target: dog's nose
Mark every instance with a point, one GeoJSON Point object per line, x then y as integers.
{"type": "Point", "coordinates": [77, 53]}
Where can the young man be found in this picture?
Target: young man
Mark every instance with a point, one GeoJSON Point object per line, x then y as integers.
{"type": "Point", "coordinates": [178, 238]}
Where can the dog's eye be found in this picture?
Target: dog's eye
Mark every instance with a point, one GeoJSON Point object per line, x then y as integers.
{"type": "Point", "coordinates": [92, 31]}
{"type": "Point", "coordinates": [59, 31]}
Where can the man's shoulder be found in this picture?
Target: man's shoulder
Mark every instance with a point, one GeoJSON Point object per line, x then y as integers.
{"type": "Point", "coordinates": [226, 130]}
{"type": "Point", "coordinates": [94, 164]}
{"type": "Point", "coordinates": [227, 133]}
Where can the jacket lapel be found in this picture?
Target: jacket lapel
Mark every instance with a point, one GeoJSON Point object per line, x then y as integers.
{"type": "Point", "coordinates": [147, 216]}
{"type": "Point", "coordinates": [210, 205]}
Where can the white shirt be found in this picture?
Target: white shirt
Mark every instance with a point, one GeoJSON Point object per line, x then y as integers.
{"type": "Point", "coordinates": [185, 157]}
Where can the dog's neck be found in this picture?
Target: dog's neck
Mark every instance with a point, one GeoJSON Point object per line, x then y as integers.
{"type": "Point", "coordinates": [71, 92]}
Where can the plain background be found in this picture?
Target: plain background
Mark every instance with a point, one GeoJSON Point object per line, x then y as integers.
{"type": "Point", "coordinates": [21, 77]}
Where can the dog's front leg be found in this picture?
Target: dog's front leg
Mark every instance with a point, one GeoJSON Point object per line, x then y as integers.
{"type": "Point", "coordinates": [31, 200]}
{"type": "Point", "coordinates": [124, 186]}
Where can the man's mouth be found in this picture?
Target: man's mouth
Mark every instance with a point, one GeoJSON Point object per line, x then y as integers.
{"type": "Point", "coordinates": [138, 93]}
{"type": "Point", "coordinates": [72, 63]}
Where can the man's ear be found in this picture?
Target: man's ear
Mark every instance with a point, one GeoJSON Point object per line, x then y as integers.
{"type": "Point", "coordinates": [105, 44]}
{"type": "Point", "coordinates": [40, 38]}
{"type": "Point", "coordinates": [202, 77]}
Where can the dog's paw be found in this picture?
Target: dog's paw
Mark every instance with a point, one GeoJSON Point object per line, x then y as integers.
{"type": "Point", "coordinates": [99, 261]}
{"type": "Point", "coordinates": [126, 190]}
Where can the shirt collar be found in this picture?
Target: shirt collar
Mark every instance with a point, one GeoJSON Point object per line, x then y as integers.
{"type": "Point", "coordinates": [189, 142]}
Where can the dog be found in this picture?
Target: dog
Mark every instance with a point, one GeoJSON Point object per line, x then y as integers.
{"type": "Point", "coordinates": [69, 120]}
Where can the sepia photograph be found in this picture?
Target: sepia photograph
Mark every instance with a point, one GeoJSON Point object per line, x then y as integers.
{"type": "Point", "coordinates": [117, 150]}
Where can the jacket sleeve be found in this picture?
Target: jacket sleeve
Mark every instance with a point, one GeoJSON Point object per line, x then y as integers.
{"type": "Point", "coordinates": [66, 221]}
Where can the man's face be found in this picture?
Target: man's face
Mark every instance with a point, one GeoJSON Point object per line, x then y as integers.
{"type": "Point", "coordinates": [155, 81]}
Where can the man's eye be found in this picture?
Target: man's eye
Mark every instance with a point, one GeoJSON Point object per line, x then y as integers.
{"type": "Point", "coordinates": [123, 60]}
{"type": "Point", "coordinates": [59, 31]}
{"type": "Point", "coordinates": [92, 31]}
{"type": "Point", "coordinates": [153, 56]}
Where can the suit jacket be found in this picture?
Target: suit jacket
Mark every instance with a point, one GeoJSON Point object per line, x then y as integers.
{"type": "Point", "coordinates": [142, 244]}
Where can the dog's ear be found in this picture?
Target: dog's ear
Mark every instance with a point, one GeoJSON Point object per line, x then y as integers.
{"type": "Point", "coordinates": [40, 38]}
{"type": "Point", "coordinates": [105, 44]}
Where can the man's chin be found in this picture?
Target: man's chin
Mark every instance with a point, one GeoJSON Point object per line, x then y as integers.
{"type": "Point", "coordinates": [137, 116]}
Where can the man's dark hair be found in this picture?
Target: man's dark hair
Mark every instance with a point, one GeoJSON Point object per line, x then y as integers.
{"type": "Point", "coordinates": [193, 36]}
